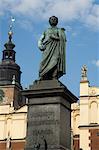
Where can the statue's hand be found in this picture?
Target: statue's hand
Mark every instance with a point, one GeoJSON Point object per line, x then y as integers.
{"type": "Point", "coordinates": [54, 37]}
{"type": "Point", "coordinates": [42, 47]}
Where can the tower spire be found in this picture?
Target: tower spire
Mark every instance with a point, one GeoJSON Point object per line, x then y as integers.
{"type": "Point", "coordinates": [10, 74]}
{"type": "Point", "coordinates": [10, 33]}
{"type": "Point", "coordinates": [9, 53]}
{"type": "Point", "coordinates": [8, 67]}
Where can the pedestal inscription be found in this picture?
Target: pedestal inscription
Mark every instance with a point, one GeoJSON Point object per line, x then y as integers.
{"type": "Point", "coordinates": [43, 123]}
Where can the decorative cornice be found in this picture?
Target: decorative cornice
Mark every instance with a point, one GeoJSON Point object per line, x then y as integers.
{"type": "Point", "coordinates": [89, 126]}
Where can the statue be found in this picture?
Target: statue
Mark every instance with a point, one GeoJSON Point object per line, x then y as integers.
{"type": "Point", "coordinates": [52, 44]}
{"type": "Point", "coordinates": [84, 72]}
{"type": "Point", "coordinates": [37, 146]}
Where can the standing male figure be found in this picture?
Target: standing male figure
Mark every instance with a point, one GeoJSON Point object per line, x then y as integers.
{"type": "Point", "coordinates": [52, 44]}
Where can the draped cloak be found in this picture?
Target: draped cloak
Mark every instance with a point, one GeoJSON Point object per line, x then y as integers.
{"type": "Point", "coordinates": [52, 43]}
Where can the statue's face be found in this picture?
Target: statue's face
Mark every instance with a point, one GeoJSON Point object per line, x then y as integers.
{"type": "Point", "coordinates": [53, 21]}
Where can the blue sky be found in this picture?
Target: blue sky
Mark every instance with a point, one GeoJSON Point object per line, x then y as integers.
{"type": "Point", "coordinates": [80, 18]}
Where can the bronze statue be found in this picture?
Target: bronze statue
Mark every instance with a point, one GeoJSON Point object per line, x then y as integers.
{"type": "Point", "coordinates": [52, 44]}
{"type": "Point", "coordinates": [36, 146]}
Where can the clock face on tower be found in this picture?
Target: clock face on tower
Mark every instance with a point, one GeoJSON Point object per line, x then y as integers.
{"type": "Point", "coordinates": [1, 95]}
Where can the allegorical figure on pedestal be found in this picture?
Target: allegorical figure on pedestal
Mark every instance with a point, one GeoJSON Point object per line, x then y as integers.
{"type": "Point", "coordinates": [52, 44]}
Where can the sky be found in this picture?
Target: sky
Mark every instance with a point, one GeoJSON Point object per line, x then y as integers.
{"type": "Point", "coordinates": [80, 18]}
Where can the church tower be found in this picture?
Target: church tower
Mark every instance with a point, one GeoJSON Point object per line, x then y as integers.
{"type": "Point", "coordinates": [10, 75]}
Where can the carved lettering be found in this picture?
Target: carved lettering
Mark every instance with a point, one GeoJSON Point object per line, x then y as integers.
{"type": "Point", "coordinates": [41, 116]}
{"type": "Point", "coordinates": [42, 132]}
{"type": "Point", "coordinates": [45, 122]}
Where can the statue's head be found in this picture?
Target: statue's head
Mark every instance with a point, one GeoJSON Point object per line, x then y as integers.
{"type": "Point", "coordinates": [53, 21]}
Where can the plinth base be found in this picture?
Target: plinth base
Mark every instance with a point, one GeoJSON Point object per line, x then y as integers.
{"type": "Point", "coordinates": [49, 116]}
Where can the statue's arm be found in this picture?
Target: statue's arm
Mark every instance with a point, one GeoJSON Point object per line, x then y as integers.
{"type": "Point", "coordinates": [62, 34]}
{"type": "Point", "coordinates": [40, 42]}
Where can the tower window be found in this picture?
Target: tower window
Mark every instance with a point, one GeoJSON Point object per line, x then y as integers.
{"type": "Point", "coordinates": [6, 55]}
{"type": "Point", "coordinates": [11, 55]}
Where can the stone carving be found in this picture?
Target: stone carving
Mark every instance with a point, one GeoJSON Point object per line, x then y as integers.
{"type": "Point", "coordinates": [36, 146]}
{"type": "Point", "coordinates": [92, 92]}
{"type": "Point", "coordinates": [52, 44]}
{"type": "Point", "coordinates": [84, 72]}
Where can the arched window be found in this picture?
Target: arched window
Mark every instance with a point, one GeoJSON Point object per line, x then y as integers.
{"type": "Point", "coordinates": [6, 55]}
{"type": "Point", "coordinates": [11, 55]}
{"type": "Point", "coordinates": [93, 112]}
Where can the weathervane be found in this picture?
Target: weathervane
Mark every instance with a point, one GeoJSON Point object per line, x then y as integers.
{"type": "Point", "coordinates": [12, 20]}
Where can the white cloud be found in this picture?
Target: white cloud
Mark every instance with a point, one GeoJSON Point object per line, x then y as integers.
{"type": "Point", "coordinates": [85, 11]}
{"type": "Point", "coordinates": [26, 24]}
{"type": "Point", "coordinates": [96, 62]}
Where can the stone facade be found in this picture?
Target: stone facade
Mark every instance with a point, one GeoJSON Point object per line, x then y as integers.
{"type": "Point", "coordinates": [12, 127]}
{"type": "Point", "coordinates": [85, 118]}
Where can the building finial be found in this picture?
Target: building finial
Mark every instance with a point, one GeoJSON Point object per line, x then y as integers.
{"type": "Point", "coordinates": [10, 33]}
{"type": "Point", "coordinates": [84, 72]}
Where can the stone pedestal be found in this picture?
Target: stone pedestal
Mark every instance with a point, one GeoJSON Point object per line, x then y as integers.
{"type": "Point", "coordinates": [49, 116]}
